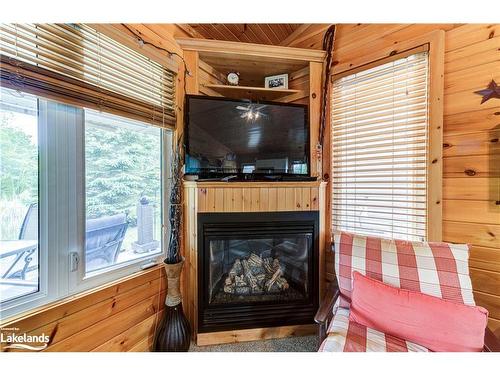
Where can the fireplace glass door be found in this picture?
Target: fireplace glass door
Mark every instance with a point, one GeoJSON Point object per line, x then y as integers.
{"type": "Point", "coordinates": [259, 268]}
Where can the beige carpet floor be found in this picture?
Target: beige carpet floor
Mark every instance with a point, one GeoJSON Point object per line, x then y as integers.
{"type": "Point", "coordinates": [289, 344]}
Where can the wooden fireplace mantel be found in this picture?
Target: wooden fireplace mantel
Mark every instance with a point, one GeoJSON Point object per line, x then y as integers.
{"type": "Point", "coordinates": [224, 197]}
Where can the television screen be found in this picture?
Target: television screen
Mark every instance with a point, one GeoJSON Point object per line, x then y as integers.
{"type": "Point", "coordinates": [228, 136]}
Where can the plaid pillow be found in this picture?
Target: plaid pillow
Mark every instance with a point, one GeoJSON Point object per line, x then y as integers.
{"type": "Point", "coordinates": [435, 268]}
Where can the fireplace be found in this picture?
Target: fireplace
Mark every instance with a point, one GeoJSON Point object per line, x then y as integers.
{"type": "Point", "coordinates": [257, 269]}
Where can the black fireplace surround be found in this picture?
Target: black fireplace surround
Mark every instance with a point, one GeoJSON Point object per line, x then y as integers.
{"type": "Point", "coordinates": [257, 269]}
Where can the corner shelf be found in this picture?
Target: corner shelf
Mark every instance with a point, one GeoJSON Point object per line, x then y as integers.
{"type": "Point", "coordinates": [253, 93]}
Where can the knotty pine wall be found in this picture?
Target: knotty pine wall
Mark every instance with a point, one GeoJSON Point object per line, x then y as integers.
{"type": "Point", "coordinates": [121, 316]}
{"type": "Point", "coordinates": [471, 136]}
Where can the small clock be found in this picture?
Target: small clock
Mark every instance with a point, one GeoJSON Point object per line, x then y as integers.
{"type": "Point", "coordinates": [233, 78]}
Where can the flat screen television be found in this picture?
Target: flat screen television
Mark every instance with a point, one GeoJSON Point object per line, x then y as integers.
{"type": "Point", "coordinates": [229, 137]}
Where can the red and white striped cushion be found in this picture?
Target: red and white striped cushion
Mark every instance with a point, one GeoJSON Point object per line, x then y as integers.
{"type": "Point", "coordinates": [348, 336]}
{"type": "Point", "coordinates": [435, 268]}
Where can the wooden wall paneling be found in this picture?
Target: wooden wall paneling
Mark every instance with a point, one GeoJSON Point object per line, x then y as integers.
{"type": "Point", "coordinates": [472, 188]}
{"type": "Point", "coordinates": [73, 324]}
{"type": "Point", "coordinates": [482, 143]}
{"type": "Point", "coordinates": [468, 79]}
{"type": "Point", "coordinates": [473, 166]}
{"type": "Point", "coordinates": [490, 301]}
{"type": "Point", "coordinates": [202, 200]}
{"type": "Point", "coordinates": [289, 197]}
{"type": "Point", "coordinates": [192, 80]}
{"type": "Point", "coordinates": [471, 160]}
{"type": "Point", "coordinates": [90, 319]}
{"type": "Point", "coordinates": [143, 346]}
{"type": "Point", "coordinates": [237, 199]}
{"type": "Point", "coordinates": [323, 241]}
{"type": "Point", "coordinates": [485, 258]}
{"type": "Point", "coordinates": [58, 310]}
{"type": "Point", "coordinates": [273, 199]}
{"type": "Point", "coordinates": [479, 53]}
{"type": "Point", "coordinates": [494, 325]}
{"type": "Point", "coordinates": [406, 38]}
{"type": "Point", "coordinates": [208, 75]}
{"type": "Point", "coordinates": [281, 200]}
{"type": "Point", "coordinates": [219, 200]}
{"type": "Point", "coordinates": [314, 199]}
{"type": "Point", "coordinates": [486, 235]}
{"type": "Point", "coordinates": [470, 34]}
{"type": "Point", "coordinates": [299, 204]}
{"type": "Point", "coordinates": [466, 101]}
{"type": "Point", "coordinates": [246, 197]}
{"type": "Point", "coordinates": [306, 199]}
{"type": "Point", "coordinates": [129, 338]}
{"type": "Point", "coordinates": [486, 212]}
{"type": "Point", "coordinates": [189, 287]}
{"type": "Point", "coordinates": [315, 74]}
{"type": "Point", "coordinates": [210, 200]}
{"type": "Point", "coordinates": [228, 199]}
{"type": "Point", "coordinates": [264, 199]}
{"type": "Point", "coordinates": [193, 270]}
{"type": "Point", "coordinates": [472, 122]}
{"type": "Point", "coordinates": [89, 338]}
{"type": "Point", "coordinates": [298, 80]}
{"type": "Point", "coordinates": [485, 281]}
{"type": "Point", "coordinates": [255, 199]}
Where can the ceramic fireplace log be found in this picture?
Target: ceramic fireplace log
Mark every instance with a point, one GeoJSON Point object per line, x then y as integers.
{"type": "Point", "coordinates": [255, 275]}
{"type": "Point", "coordinates": [249, 277]}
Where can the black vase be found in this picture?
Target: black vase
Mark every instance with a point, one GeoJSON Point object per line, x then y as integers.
{"type": "Point", "coordinates": [174, 332]}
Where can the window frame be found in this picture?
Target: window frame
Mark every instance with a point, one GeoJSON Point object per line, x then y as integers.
{"type": "Point", "coordinates": [56, 280]}
{"type": "Point", "coordinates": [78, 280]}
{"type": "Point", "coordinates": [434, 41]}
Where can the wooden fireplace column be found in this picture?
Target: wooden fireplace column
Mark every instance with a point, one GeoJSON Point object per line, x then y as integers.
{"type": "Point", "coordinates": [203, 197]}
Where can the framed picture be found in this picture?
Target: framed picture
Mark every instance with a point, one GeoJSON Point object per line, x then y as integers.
{"type": "Point", "coordinates": [277, 82]}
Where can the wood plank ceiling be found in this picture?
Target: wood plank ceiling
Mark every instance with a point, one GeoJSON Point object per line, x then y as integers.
{"type": "Point", "coordinates": [261, 33]}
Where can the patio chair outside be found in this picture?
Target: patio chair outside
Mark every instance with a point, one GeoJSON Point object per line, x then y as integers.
{"type": "Point", "coordinates": [104, 237]}
{"type": "Point", "coordinates": [29, 228]}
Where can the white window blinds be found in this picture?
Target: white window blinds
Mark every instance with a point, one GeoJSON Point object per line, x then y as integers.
{"type": "Point", "coordinates": [79, 65]}
{"type": "Point", "coordinates": [379, 119]}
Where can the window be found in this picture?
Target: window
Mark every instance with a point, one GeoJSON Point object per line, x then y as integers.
{"type": "Point", "coordinates": [81, 195]}
{"type": "Point", "coordinates": [82, 169]}
{"type": "Point", "coordinates": [380, 148]}
{"type": "Point", "coordinates": [123, 191]}
{"type": "Point", "coordinates": [19, 254]}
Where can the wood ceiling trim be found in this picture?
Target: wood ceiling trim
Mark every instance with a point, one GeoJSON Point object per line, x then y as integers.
{"type": "Point", "coordinates": [235, 48]}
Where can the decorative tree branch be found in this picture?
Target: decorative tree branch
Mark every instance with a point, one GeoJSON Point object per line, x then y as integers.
{"type": "Point", "coordinates": [175, 209]}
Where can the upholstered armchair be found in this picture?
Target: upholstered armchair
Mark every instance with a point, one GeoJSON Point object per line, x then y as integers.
{"type": "Point", "coordinates": [433, 269]}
